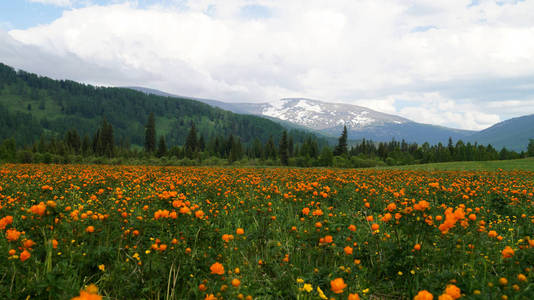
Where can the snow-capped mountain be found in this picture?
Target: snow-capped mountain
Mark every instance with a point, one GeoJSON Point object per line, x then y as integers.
{"type": "Point", "coordinates": [362, 123]}
{"type": "Point", "coordinates": [329, 118]}
{"type": "Point", "coordinates": [320, 115]}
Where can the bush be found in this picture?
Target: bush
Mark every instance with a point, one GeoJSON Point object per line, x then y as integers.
{"type": "Point", "coordinates": [25, 157]}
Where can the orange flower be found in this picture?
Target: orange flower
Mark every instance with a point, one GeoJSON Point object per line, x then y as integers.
{"type": "Point", "coordinates": [352, 227]}
{"type": "Point", "coordinates": [507, 252]}
{"type": "Point", "coordinates": [387, 217]}
{"type": "Point", "coordinates": [12, 235]}
{"type": "Point", "coordinates": [417, 247]}
{"type": "Point", "coordinates": [217, 268]}
{"type": "Point", "coordinates": [90, 229]}
{"type": "Point", "coordinates": [240, 231]}
{"type": "Point", "coordinates": [5, 221]}
{"type": "Point", "coordinates": [492, 233]}
{"type": "Point", "coordinates": [199, 214]}
{"type": "Point", "coordinates": [89, 293]}
{"type": "Point", "coordinates": [337, 285]}
{"type": "Point", "coordinates": [328, 239]}
{"type": "Point", "coordinates": [375, 227]}
{"type": "Point", "coordinates": [38, 209]}
{"type": "Point", "coordinates": [236, 282]}
{"type": "Point", "coordinates": [227, 237]}
{"type": "Point", "coordinates": [353, 297]}
{"type": "Point", "coordinates": [445, 297]}
{"type": "Point", "coordinates": [453, 291]}
{"type": "Point", "coordinates": [24, 255]}
{"type": "Point", "coordinates": [348, 250]}
{"type": "Point", "coordinates": [423, 295]}
{"type": "Point", "coordinates": [210, 297]}
{"type": "Point", "coordinates": [28, 243]}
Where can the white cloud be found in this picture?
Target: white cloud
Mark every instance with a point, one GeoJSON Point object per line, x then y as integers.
{"type": "Point", "coordinates": [54, 2]}
{"type": "Point", "coordinates": [436, 56]}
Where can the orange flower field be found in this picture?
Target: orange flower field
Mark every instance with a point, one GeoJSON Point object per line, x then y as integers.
{"type": "Point", "coordinates": [119, 232]}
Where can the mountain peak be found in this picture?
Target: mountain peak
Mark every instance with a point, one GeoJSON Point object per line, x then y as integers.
{"type": "Point", "coordinates": [320, 115]}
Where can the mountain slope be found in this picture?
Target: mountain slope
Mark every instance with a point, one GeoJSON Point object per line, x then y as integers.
{"type": "Point", "coordinates": [361, 122]}
{"type": "Point", "coordinates": [513, 134]}
{"type": "Point", "coordinates": [31, 105]}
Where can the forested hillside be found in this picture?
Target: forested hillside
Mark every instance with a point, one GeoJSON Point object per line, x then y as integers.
{"type": "Point", "coordinates": [32, 106]}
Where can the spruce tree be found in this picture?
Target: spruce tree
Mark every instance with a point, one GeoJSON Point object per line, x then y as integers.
{"type": "Point", "coordinates": [530, 148]}
{"type": "Point", "coordinates": [150, 134]}
{"type": "Point", "coordinates": [291, 147]}
{"type": "Point", "coordinates": [108, 141]}
{"type": "Point", "coordinates": [284, 149]}
{"type": "Point", "coordinates": [85, 145]}
{"type": "Point", "coordinates": [162, 147]}
{"type": "Point", "coordinates": [191, 142]}
{"type": "Point", "coordinates": [341, 147]}
{"type": "Point", "coordinates": [270, 150]}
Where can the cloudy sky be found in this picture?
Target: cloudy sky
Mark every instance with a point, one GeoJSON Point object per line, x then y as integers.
{"type": "Point", "coordinates": [459, 63]}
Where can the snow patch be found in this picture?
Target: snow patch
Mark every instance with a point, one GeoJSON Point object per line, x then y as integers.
{"type": "Point", "coordinates": [303, 104]}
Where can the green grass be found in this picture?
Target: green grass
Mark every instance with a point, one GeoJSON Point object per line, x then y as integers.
{"type": "Point", "coordinates": [525, 164]}
{"type": "Point", "coordinates": [17, 103]}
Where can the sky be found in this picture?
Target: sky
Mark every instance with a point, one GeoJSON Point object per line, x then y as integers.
{"type": "Point", "coordinates": [458, 63]}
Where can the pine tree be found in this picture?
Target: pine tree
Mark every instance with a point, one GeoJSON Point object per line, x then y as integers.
{"type": "Point", "coordinates": [108, 142]}
{"type": "Point", "coordinates": [530, 148]}
{"type": "Point", "coordinates": [162, 147]}
{"type": "Point", "coordinates": [42, 145]}
{"type": "Point", "coordinates": [150, 134]}
{"type": "Point", "coordinates": [85, 145]}
{"type": "Point", "coordinates": [201, 144]}
{"type": "Point", "coordinates": [191, 143]}
{"type": "Point", "coordinates": [283, 150]}
{"type": "Point", "coordinates": [291, 146]}
{"type": "Point", "coordinates": [236, 149]}
{"type": "Point", "coordinates": [270, 151]}
{"type": "Point", "coordinates": [341, 147]}
{"type": "Point", "coordinates": [257, 150]}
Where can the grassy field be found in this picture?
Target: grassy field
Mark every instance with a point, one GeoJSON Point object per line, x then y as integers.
{"type": "Point", "coordinates": [525, 164]}
{"type": "Point", "coordinates": [140, 232]}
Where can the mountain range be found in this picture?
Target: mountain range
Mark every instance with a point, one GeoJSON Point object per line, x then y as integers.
{"type": "Point", "coordinates": [363, 123]}
{"type": "Point", "coordinates": [32, 105]}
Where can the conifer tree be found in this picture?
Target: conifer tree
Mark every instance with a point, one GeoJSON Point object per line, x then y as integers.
{"type": "Point", "coordinates": [108, 141]}
{"type": "Point", "coordinates": [150, 134]}
{"type": "Point", "coordinates": [85, 145]}
{"type": "Point", "coordinates": [341, 147]}
{"type": "Point", "coordinates": [270, 151]}
{"type": "Point", "coordinates": [191, 142]}
{"type": "Point", "coordinates": [162, 147]}
{"type": "Point", "coordinates": [530, 148]}
{"type": "Point", "coordinates": [283, 150]}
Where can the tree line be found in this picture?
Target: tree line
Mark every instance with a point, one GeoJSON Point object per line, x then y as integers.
{"type": "Point", "coordinates": [103, 147]}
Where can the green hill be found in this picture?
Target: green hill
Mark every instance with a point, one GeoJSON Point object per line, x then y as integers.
{"type": "Point", "coordinates": [513, 134]}
{"type": "Point", "coordinates": [31, 105]}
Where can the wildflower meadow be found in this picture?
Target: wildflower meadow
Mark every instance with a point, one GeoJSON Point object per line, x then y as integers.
{"type": "Point", "coordinates": [139, 232]}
